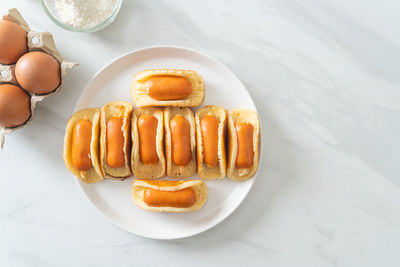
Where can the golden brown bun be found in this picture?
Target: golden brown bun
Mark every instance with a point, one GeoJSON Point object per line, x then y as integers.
{"type": "Point", "coordinates": [198, 186]}
{"type": "Point", "coordinates": [140, 96]}
{"type": "Point", "coordinates": [219, 171]}
{"type": "Point", "coordinates": [247, 116]}
{"type": "Point", "coordinates": [172, 169]}
{"type": "Point", "coordinates": [141, 170]}
{"type": "Point", "coordinates": [95, 173]}
{"type": "Point", "coordinates": [118, 109]}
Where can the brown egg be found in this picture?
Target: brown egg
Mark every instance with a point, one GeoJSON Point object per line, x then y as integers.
{"type": "Point", "coordinates": [15, 105]}
{"type": "Point", "coordinates": [13, 43]}
{"type": "Point", "coordinates": [38, 72]}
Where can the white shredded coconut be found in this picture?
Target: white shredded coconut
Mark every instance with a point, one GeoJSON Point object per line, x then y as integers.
{"type": "Point", "coordinates": [84, 13]}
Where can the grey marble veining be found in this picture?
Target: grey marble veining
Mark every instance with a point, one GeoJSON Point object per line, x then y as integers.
{"type": "Point", "coordinates": [325, 77]}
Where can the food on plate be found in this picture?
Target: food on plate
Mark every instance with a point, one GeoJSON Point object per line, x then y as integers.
{"type": "Point", "coordinates": [81, 145]}
{"type": "Point", "coordinates": [167, 87]}
{"type": "Point", "coordinates": [13, 42]}
{"type": "Point", "coordinates": [147, 159]}
{"type": "Point", "coordinates": [180, 142]}
{"type": "Point", "coordinates": [38, 72]}
{"type": "Point", "coordinates": [15, 106]}
{"type": "Point", "coordinates": [169, 196]}
{"type": "Point", "coordinates": [115, 139]}
{"type": "Point", "coordinates": [210, 136]}
{"type": "Point", "coordinates": [243, 138]}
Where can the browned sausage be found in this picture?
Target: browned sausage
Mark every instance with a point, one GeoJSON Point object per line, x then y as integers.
{"type": "Point", "coordinates": [209, 132]}
{"type": "Point", "coordinates": [183, 198]}
{"type": "Point", "coordinates": [147, 128]}
{"type": "Point", "coordinates": [115, 143]}
{"type": "Point", "coordinates": [169, 87]}
{"type": "Point", "coordinates": [180, 137]}
{"type": "Point", "coordinates": [80, 150]}
{"type": "Point", "coordinates": [245, 152]}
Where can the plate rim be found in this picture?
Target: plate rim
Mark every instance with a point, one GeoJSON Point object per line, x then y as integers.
{"type": "Point", "coordinates": [252, 180]}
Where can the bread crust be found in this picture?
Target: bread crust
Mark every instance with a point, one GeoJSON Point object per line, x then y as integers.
{"type": "Point", "coordinates": [94, 174]}
{"type": "Point", "coordinates": [218, 172]}
{"type": "Point", "coordinates": [119, 109]}
{"type": "Point", "coordinates": [173, 170]}
{"type": "Point", "coordinates": [141, 170]}
{"type": "Point", "coordinates": [138, 187]}
{"type": "Point", "coordinates": [247, 116]}
{"type": "Point", "coordinates": [139, 90]}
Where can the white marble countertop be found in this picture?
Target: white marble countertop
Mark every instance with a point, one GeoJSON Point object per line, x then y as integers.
{"type": "Point", "coordinates": [325, 77]}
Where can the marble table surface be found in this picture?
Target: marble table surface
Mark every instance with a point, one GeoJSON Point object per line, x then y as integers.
{"type": "Point", "coordinates": [325, 77]}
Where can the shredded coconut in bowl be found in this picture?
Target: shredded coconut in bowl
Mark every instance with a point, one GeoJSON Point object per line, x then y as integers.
{"type": "Point", "coordinates": [84, 13]}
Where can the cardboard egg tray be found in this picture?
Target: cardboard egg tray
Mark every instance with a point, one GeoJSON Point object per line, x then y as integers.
{"type": "Point", "coordinates": [37, 41]}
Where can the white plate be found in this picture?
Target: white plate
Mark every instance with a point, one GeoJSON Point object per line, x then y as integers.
{"type": "Point", "coordinates": [113, 198]}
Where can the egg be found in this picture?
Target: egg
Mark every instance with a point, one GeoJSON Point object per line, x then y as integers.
{"type": "Point", "coordinates": [38, 72]}
{"type": "Point", "coordinates": [13, 42]}
{"type": "Point", "coordinates": [15, 105]}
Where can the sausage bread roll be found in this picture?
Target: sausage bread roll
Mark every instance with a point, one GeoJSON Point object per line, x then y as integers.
{"type": "Point", "coordinates": [115, 139]}
{"type": "Point", "coordinates": [180, 142]}
{"type": "Point", "coordinates": [167, 87]}
{"type": "Point", "coordinates": [243, 138]}
{"type": "Point", "coordinates": [169, 196]}
{"type": "Point", "coordinates": [81, 145]}
{"type": "Point", "coordinates": [210, 136]}
{"type": "Point", "coordinates": [148, 161]}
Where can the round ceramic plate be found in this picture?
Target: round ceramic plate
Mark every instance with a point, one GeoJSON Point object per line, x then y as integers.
{"type": "Point", "coordinates": [113, 198]}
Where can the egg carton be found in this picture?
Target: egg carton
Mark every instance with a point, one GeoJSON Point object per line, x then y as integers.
{"type": "Point", "coordinates": [37, 41]}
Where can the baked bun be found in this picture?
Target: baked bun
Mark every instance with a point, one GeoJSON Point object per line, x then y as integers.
{"type": "Point", "coordinates": [210, 135]}
{"type": "Point", "coordinates": [180, 142]}
{"type": "Point", "coordinates": [81, 145]}
{"type": "Point", "coordinates": [243, 139]}
{"type": "Point", "coordinates": [148, 161]}
{"type": "Point", "coordinates": [169, 196]}
{"type": "Point", "coordinates": [167, 87]}
{"type": "Point", "coordinates": [115, 139]}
